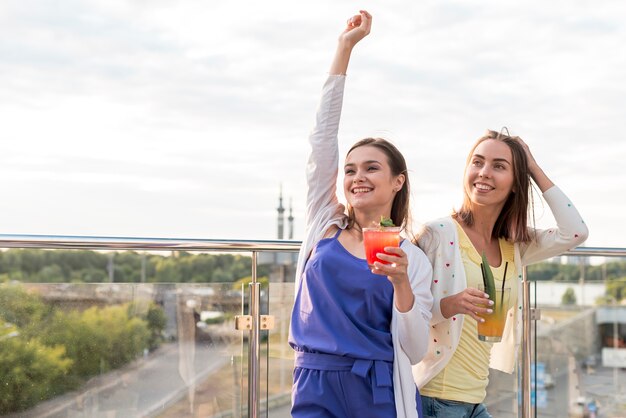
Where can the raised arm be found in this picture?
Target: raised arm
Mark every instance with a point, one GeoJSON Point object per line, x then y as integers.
{"type": "Point", "coordinates": [322, 168]}
{"type": "Point", "coordinates": [323, 208]}
{"type": "Point", "coordinates": [570, 231]}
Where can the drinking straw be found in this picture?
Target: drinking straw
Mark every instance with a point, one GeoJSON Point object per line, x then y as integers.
{"type": "Point", "coordinates": [503, 280]}
{"type": "Point", "coordinates": [482, 272]}
{"type": "Point", "coordinates": [488, 281]}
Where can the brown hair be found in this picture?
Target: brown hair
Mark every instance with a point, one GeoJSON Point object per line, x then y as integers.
{"type": "Point", "coordinates": [512, 222]}
{"type": "Point", "coordinates": [400, 214]}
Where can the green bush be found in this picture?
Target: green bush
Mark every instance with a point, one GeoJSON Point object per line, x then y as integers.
{"type": "Point", "coordinates": [19, 307]}
{"type": "Point", "coordinates": [30, 372]}
{"type": "Point", "coordinates": [98, 339]}
{"type": "Point", "coordinates": [569, 297]}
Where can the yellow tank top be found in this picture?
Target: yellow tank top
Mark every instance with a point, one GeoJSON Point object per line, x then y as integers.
{"type": "Point", "coordinates": [466, 376]}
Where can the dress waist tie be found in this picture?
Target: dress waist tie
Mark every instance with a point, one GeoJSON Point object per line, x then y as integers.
{"type": "Point", "coordinates": [380, 377]}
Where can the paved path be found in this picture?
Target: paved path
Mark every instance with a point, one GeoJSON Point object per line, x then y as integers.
{"type": "Point", "coordinates": [140, 389]}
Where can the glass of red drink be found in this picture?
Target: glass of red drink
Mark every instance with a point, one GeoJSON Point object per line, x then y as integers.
{"type": "Point", "coordinates": [376, 239]}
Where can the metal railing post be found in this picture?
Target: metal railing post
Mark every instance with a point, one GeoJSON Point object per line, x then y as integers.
{"type": "Point", "coordinates": [254, 357]}
{"type": "Point", "coordinates": [526, 363]}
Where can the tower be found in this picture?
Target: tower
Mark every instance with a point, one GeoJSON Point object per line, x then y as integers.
{"type": "Point", "coordinates": [290, 218]}
{"type": "Point", "coordinates": [281, 214]}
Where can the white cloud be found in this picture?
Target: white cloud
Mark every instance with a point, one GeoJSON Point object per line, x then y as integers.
{"type": "Point", "coordinates": [166, 118]}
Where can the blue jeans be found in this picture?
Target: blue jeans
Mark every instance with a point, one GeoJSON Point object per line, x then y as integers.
{"type": "Point", "coordinates": [443, 408]}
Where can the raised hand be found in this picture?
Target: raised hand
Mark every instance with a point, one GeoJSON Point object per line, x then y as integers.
{"type": "Point", "coordinates": [357, 28]}
{"type": "Point", "coordinates": [535, 171]}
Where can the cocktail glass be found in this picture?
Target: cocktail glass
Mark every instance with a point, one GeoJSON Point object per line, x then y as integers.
{"type": "Point", "coordinates": [376, 239]}
{"type": "Point", "coordinates": [491, 330]}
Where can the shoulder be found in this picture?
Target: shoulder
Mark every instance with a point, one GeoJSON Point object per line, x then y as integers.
{"type": "Point", "coordinates": [412, 251]}
{"type": "Point", "coordinates": [436, 231]}
{"type": "Point", "coordinates": [419, 265]}
{"type": "Point", "coordinates": [332, 230]}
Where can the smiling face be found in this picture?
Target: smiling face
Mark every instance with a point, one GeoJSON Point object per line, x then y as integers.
{"type": "Point", "coordinates": [369, 184]}
{"type": "Point", "coordinates": [489, 174]}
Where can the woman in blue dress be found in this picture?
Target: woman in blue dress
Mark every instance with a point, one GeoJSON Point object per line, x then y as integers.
{"type": "Point", "coordinates": [356, 329]}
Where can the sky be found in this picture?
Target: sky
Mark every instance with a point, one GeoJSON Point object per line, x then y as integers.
{"type": "Point", "coordinates": [184, 119]}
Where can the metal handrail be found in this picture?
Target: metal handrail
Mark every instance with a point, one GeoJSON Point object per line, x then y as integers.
{"type": "Point", "coordinates": [78, 242]}
{"type": "Point", "coordinates": [596, 252]}
{"type": "Point", "coordinates": [198, 244]}
{"type": "Point", "coordinates": [254, 246]}
{"type": "Point", "coordinates": [147, 244]}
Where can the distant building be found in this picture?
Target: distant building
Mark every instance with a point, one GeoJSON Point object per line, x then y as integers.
{"type": "Point", "coordinates": [281, 215]}
{"type": "Point", "coordinates": [283, 264]}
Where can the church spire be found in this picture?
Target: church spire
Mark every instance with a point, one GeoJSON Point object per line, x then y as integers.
{"type": "Point", "coordinates": [290, 218]}
{"type": "Point", "coordinates": [281, 214]}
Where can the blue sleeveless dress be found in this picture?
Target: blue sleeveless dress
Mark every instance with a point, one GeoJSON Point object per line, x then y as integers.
{"type": "Point", "coordinates": [341, 332]}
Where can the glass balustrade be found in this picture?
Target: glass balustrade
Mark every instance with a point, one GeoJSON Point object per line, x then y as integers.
{"type": "Point", "coordinates": [579, 349]}
{"type": "Point", "coordinates": [147, 328]}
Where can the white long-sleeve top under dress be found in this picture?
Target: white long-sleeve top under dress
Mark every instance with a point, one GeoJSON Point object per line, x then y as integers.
{"type": "Point", "coordinates": [409, 329]}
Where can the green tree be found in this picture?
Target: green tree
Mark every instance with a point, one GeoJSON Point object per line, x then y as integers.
{"type": "Point", "coordinates": [73, 266]}
{"type": "Point", "coordinates": [569, 297]}
{"type": "Point", "coordinates": [617, 288]}
{"type": "Point", "coordinates": [19, 307]}
{"type": "Point", "coordinates": [157, 320]}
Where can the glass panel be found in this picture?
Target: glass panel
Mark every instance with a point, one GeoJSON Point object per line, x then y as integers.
{"type": "Point", "coordinates": [279, 354]}
{"type": "Point", "coordinates": [579, 356]}
{"type": "Point", "coordinates": [119, 349]}
{"type": "Point", "coordinates": [502, 395]}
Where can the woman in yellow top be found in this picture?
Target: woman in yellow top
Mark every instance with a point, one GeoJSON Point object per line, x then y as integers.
{"type": "Point", "coordinates": [454, 374]}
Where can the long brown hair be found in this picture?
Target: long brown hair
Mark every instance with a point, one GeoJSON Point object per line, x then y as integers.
{"type": "Point", "coordinates": [400, 214]}
{"type": "Point", "coordinates": [512, 222]}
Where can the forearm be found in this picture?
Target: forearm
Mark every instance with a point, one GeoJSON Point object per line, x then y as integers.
{"type": "Point", "coordinates": [404, 297]}
{"type": "Point", "coordinates": [540, 178]}
{"type": "Point", "coordinates": [339, 65]}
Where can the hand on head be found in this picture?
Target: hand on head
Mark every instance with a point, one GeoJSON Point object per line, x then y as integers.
{"type": "Point", "coordinates": [357, 28]}
{"type": "Point", "coordinates": [529, 156]}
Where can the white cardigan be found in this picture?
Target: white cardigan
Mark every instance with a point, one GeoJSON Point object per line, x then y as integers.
{"type": "Point", "coordinates": [409, 329]}
{"type": "Point", "coordinates": [439, 240]}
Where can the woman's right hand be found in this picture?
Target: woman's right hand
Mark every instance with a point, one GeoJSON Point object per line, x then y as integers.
{"type": "Point", "coordinates": [357, 28]}
{"type": "Point", "coordinates": [468, 302]}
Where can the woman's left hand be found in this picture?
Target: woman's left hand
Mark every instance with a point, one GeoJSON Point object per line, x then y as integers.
{"type": "Point", "coordinates": [396, 270]}
{"type": "Point", "coordinates": [532, 164]}
{"type": "Point", "coordinates": [535, 171]}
